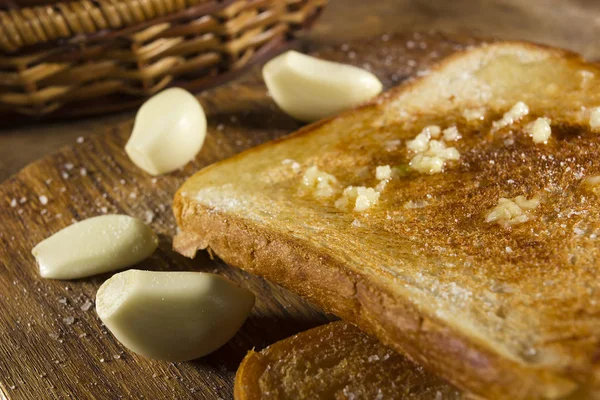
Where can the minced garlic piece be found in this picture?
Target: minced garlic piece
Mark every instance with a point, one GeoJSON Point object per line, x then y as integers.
{"type": "Point", "coordinates": [540, 130]}
{"type": "Point", "coordinates": [324, 185]}
{"type": "Point", "coordinates": [518, 111]}
{"type": "Point", "coordinates": [432, 160]}
{"type": "Point", "coordinates": [420, 142]}
{"type": "Point", "coordinates": [381, 185]}
{"type": "Point", "coordinates": [595, 118]}
{"type": "Point", "coordinates": [432, 155]}
{"type": "Point", "coordinates": [360, 198]}
{"type": "Point", "coordinates": [451, 134]}
{"type": "Point", "coordinates": [471, 114]}
{"type": "Point", "coordinates": [383, 172]}
{"type": "Point", "coordinates": [510, 212]}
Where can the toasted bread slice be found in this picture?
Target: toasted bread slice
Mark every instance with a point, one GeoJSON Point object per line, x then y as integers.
{"type": "Point", "coordinates": [500, 302]}
{"type": "Point", "coordinates": [335, 361]}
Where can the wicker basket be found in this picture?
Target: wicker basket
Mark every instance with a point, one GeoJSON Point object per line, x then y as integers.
{"type": "Point", "coordinates": [85, 57]}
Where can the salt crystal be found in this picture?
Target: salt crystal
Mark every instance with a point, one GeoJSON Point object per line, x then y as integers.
{"type": "Point", "coordinates": [83, 171]}
{"type": "Point", "coordinates": [102, 360]}
{"type": "Point", "coordinates": [22, 200]}
{"type": "Point", "coordinates": [385, 37]}
{"type": "Point", "coordinates": [68, 320]}
{"type": "Point", "coordinates": [132, 195]}
{"type": "Point", "coordinates": [43, 200]}
{"type": "Point", "coordinates": [62, 300]}
{"type": "Point", "coordinates": [508, 249]}
{"type": "Point", "coordinates": [69, 166]}
{"type": "Point", "coordinates": [373, 358]}
{"type": "Point", "coordinates": [104, 210]}
{"type": "Point", "coordinates": [13, 203]}
{"type": "Point", "coordinates": [153, 181]}
{"type": "Point", "coordinates": [116, 357]}
{"type": "Point", "coordinates": [122, 181]}
{"type": "Point", "coordinates": [86, 306]}
{"type": "Point", "coordinates": [356, 223]}
{"type": "Point", "coordinates": [64, 175]}
{"type": "Point", "coordinates": [80, 139]}
{"type": "Point", "coordinates": [148, 216]}
{"type": "Point", "coordinates": [578, 231]}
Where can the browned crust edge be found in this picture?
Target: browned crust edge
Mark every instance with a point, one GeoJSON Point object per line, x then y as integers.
{"type": "Point", "coordinates": [312, 274]}
{"type": "Point", "coordinates": [246, 385]}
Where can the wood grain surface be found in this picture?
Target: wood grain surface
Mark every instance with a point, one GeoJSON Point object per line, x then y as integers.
{"type": "Point", "coordinates": [52, 344]}
{"type": "Point", "coordinates": [570, 24]}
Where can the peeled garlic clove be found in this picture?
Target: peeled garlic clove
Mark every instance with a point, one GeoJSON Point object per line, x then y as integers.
{"type": "Point", "coordinates": [172, 316]}
{"type": "Point", "coordinates": [168, 132]}
{"type": "Point", "coordinates": [309, 89]}
{"type": "Point", "coordinates": [94, 246]}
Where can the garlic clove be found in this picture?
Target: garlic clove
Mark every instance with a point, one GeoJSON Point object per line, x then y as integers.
{"type": "Point", "coordinates": [308, 88]}
{"type": "Point", "coordinates": [168, 132]}
{"type": "Point", "coordinates": [94, 246]}
{"type": "Point", "coordinates": [172, 316]}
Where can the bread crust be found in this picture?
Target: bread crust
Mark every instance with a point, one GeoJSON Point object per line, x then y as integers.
{"type": "Point", "coordinates": [354, 298]}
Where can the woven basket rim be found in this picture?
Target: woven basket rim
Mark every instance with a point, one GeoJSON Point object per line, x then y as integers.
{"type": "Point", "coordinates": [36, 28]}
{"type": "Point", "coordinates": [195, 47]}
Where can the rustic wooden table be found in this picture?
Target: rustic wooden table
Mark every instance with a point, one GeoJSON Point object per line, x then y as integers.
{"type": "Point", "coordinates": [573, 24]}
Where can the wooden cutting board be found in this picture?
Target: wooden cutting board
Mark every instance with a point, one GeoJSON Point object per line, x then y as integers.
{"type": "Point", "coordinates": [52, 344]}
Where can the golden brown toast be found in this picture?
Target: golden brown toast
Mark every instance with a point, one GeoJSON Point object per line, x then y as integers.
{"type": "Point", "coordinates": [335, 361]}
{"type": "Point", "coordinates": [504, 311]}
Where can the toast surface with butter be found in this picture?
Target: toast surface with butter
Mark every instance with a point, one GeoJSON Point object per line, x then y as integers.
{"type": "Point", "coordinates": [335, 361]}
{"type": "Point", "coordinates": [480, 263]}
